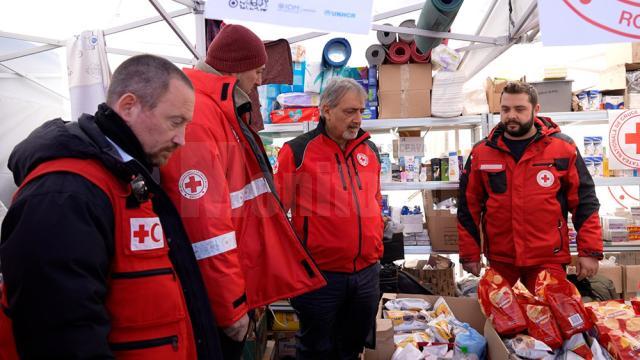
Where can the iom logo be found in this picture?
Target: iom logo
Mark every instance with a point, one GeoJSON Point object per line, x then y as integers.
{"type": "Point", "coordinates": [620, 17]}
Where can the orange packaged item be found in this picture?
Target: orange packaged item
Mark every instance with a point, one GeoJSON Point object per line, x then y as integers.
{"type": "Point", "coordinates": [294, 115]}
{"type": "Point", "coordinates": [541, 324]}
{"type": "Point", "coordinates": [612, 309]}
{"type": "Point", "coordinates": [635, 303]}
{"type": "Point", "coordinates": [498, 303]}
{"type": "Point", "coordinates": [621, 345]}
{"type": "Point", "coordinates": [565, 302]}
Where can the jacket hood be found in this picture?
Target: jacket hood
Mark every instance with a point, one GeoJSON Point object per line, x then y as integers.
{"type": "Point", "coordinates": [545, 127]}
{"type": "Point", "coordinates": [61, 139]}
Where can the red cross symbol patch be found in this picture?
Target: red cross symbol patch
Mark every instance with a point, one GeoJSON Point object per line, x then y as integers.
{"type": "Point", "coordinates": [545, 178]}
{"type": "Point", "coordinates": [193, 184]}
{"type": "Point", "coordinates": [363, 159]}
{"type": "Point", "coordinates": [146, 234]}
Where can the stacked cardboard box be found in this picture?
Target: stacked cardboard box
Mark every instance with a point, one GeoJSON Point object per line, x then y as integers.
{"type": "Point", "coordinates": [404, 91]}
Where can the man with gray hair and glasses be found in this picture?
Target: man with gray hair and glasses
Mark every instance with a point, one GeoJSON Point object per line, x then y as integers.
{"type": "Point", "coordinates": [330, 180]}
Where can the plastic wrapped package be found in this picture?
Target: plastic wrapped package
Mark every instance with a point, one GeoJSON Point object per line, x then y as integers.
{"type": "Point", "coordinates": [407, 304]}
{"type": "Point", "coordinates": [445, 57]}
{"type": "Point", "coordinates": [499, 305]}
{"type": "Point", "coordinates": [297, 99]}
{"type": "Point", "coordinates": [565, 302]}
{"type": "Point", "coordinates": [527, 347]}
{"type": "Point", "coordinates": [447, 96]}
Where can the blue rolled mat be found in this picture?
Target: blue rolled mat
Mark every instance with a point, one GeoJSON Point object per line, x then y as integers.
{"type": "Point", "coordinates": [436, 15]}
{"type": "Point", "coordinates": [336, 53]}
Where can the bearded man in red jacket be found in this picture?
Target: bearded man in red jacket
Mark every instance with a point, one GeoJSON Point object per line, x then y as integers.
{"type": "Point", "coordinates": [518, 186]}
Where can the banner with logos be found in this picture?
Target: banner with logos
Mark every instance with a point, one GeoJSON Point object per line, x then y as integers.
{"type": "Point", "coordinates": [624, 139]}
{"type": "Point", "coordinates": [582, 22]}
{"type": "Point", "coordinates": [347, 16]}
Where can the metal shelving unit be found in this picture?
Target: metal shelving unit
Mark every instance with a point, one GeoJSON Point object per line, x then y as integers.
{"type": "Point", "coordinates": [616, 181]}
{"type": "Point", "coordinates": [452, 185]}
{"type": "Point", "coordinates": [594, 117]}
{"type": "Point", "coordinates": [486, 122]}
{"type": "Point", "coordinates": [426, 185]}
{"type": "Point", "coordinates": [615, 247]}
{"type": "Point", "coordinates": [460, 122]}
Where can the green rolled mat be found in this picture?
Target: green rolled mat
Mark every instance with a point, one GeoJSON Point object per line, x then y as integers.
{"type": "Point", "coordinates": [436, 15]}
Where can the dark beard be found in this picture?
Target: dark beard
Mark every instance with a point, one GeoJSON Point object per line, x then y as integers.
{"type": "Point", "coordinates": [522, 130]}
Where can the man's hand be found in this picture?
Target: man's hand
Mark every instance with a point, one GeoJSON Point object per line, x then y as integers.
{"type": "Point", "coordinates": [239, 329]}
{"type": "Point", "coordinates": [586, 267]}
{"type": "Point", "coordinates": [472, 267]}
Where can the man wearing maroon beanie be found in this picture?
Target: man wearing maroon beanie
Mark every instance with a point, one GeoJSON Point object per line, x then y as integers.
{"type": "Point", "coordinates": [222, 184]}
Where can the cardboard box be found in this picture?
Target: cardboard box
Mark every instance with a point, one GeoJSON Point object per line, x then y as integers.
{"type": "Point", "coordinates": [493, 88]}
{"type": "Point", "coordinates": [440, 281]}
{"type": "Point", "coordinates": [635, 52]}
{"type": "Point", "coordinates": [464, 309]}
{"type": "Point", "coordinates": [615, 274]}
{"type": "Point", "coordinates": [404, 104]}
{"type": "Point", "coordinates": [404, 91]}
{"type": "Point", "coordinates": [404, 77]}
{"type": "Point", "coordinates": [442, 225]}
{"type": "Point", "coordinates": [615, 78]}
{"type": "Point", "coordinates": [631, 280]}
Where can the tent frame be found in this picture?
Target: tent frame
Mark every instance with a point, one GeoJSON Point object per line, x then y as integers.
{"type": "Point", "coordinates": [522, 30]}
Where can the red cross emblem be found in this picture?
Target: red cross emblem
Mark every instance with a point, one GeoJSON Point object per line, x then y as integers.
{"type": "Point", "coordinates": [633, 138]}
{"type": "Point", "coordinates": [141, 234]}
{"type": "Point", "coordinates": [193, 184]}
{"type": "Point", "coordinates": [545, 178]}
{"type": "Point", "coordinates": [146, 234]}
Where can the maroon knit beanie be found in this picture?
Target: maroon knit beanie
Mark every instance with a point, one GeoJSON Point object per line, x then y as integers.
{"type": "Point", "coordinates": [236, 49]}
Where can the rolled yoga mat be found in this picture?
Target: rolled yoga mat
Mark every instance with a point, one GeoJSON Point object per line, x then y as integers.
{"type": "Point", "coordinates": [336, 53]}
{"type": "Point", "coordinates": [376, 54]}
{"type": "Point", "coordinates": [399, 53]}
{"type": "Point", "coordinates": [436, 15]}
{"type": "Point", "coordinates": [386, 38]}
{"type": "Point", "coordinates": [417, 56]}
{"type": "Point", "coordinates": [408, 38]}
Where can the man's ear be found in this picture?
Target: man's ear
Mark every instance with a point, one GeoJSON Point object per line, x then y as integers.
{"type": "Point", "coordinates": [325, 110]}
{"type": "Point", "coordinates": [126, 106]}
{"type": "Point", "coordinates": [536, 109]}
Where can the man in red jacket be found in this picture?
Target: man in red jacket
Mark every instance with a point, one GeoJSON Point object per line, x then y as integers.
{"type": "Point", "coordinates": [519, 185]}
{"type": "Point", "coordinates": [330, 180]}
{"type": "Point", "coordinates": [221, 183]}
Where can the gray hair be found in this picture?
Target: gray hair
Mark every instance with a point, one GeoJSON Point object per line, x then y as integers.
{"type": "Point", "coordinates": [145, 76]}
{"type": "Point", "coordinates": [336, 89]}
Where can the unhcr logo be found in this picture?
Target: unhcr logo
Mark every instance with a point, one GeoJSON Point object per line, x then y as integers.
{"type": "Point", "coordinates": [339, 14]}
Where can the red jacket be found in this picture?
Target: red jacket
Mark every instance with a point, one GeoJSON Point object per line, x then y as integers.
{"type": "Point", "coordinates": [221, 183]}
{"type": "Point", "coordinates": [334, 197]}
{"type": "Point", "coordinates": [523, 207]}
{"type": "Point", "coordinates": [147, 310]}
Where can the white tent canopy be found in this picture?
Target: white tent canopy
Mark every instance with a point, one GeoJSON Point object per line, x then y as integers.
{"type": "Point", "coordinates": [34, 88]}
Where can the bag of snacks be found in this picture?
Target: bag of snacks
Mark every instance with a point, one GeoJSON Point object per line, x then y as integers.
{"type": "Point", "coordinates": [565, 302]}
{"type": "Point", "coordinates": [498, 303]}
{"type": "Point", "coordinates": [541, 324]}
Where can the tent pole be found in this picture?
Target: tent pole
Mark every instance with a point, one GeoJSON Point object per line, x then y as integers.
{"type": "Point", "coordinates": [525, 17]}
{"type": "Point", "coordinates": [37, 39]}
{"type": "Point", "coordinates": [499, 40]}
{"type": "Point", "coordinates": [125, 52]}
{"type": "Point", "coordinates": [188, 3]}
{"type": "Point", "coordinates": [27, 52]}
{"type": "Point", "coordinates": [201, 38]}
{"type": "Point", "coordinates": [487, 15]}
{"type": "Point", "coordinates": [143, 22]}
{"type": "Point", "coordinates": [35, 81]}
{"type": "Point", "coordinates": [174, 27]}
